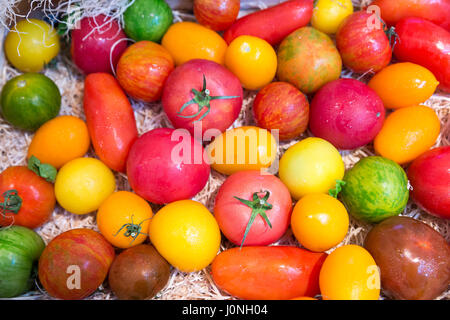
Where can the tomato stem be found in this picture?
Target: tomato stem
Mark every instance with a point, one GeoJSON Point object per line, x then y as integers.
{"type": "Point", "coordinates": [43, 170]}
{"type": "Point", "coordinates": [337, 189]}
{"type": "Point", "coordinates": [132, 230]}
{"type": "Point", "coordinates": [12, 202]}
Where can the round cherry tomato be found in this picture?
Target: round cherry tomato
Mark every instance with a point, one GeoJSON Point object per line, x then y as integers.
{"type": "Point", "coordinates": [252, 208]}
{"type": "Point", "coordinates": [83, 184]}
{"type": "Point", "coordinates": [31, 44]}
{"type": "Point", "coordinates": [216, 14]}
{"type": "Point", "coordinates": [328, 14]}
{"type": "Point", "coordinates": [123, 219]}
{"type": "Point", "coordinates": [186, 234]}
{"type": "Point", "coordinates": [319, 222]}
{"type": "Point", "coordinates": [252, 60]}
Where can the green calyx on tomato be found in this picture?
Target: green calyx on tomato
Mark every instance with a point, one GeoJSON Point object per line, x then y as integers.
{"type": "Point", "coordinates": [259, 206]}
{"type": "Point", "coordinates": [338, 188]}
{"type": "Point", "coordinates": [11, 202]}
{"type": "Point", "coordinates": [44, 170]}
{"type": "Point", "coordinates": [202, 99]}
{"type": "Point", "coordinates": [390, 32]}
{"type": "Point", "coordinates": [132, 230]}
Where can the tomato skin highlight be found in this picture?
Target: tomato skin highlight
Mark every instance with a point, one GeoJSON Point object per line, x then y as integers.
{"type": "Point", "coordinates": [288, 16]}
{"type": "Point", "coordinates": [268, 273]}
{"type": "Point", "coordinates": [216, 14]}
{"type": "Point", "coordinates": [110, 119]}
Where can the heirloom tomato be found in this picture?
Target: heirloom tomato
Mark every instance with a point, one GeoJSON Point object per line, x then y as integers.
{"type": "Point", "coordinates": [216, 14]}
{"type": "Point", "coordinates": [328, 14]}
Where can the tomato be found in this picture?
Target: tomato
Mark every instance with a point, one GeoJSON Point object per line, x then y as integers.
{"type": "Point", "coordinates": [163, 169]}
{"type": "Point", "coordinates": [188, 40]}
{"type": "Point", "coordinates": [20, 248]}
{"type": "Point", "coordinates": [303, 298]}
{"type": "Point", "coordinates": [123, 219]}
{"type": "Point", "coordinates": [328, 14]}
{"type": "Point", "coordinates": [60, 140]}
{"type": "Point", "coordinates": [83, 184]}
{"type": "Point", "coordinates": [268, 272]}
{"type": "Point", "coordinates": [242, 148]}
{"type": "Point", "coordinates": [312, 52]}
{"type": "Point", "coordinates": [287, 16]}
{"type": "Point", "coordinates": [424, 43]}
{"type": "Point", "coordinates": [350, 273]}
{"type": "Point", "coordinates": [202, 92]}
{"type": "Point", "coordinates": [252, 60]}
{"type": "Point", "coordinates": [186, 234]}
{"type": "Point", "coordinates": [147, 20]}
{"type": "Point", "coordinates": [311, 166]}
{"type": "Point", "coordinates": [319, 222]}
{"type": "Point", "coordinates": [95, 49]}
{"type": "Point", "coordinates": [110, 119]}
{"type": "Point", "coordinates": [363, 47]}
{"type": "Point", "coordinates": [429, 176]}
{"type": "Point", "coordinates": [216, 14]}
{"type": "Point", "coordinates": [28, 199]}
{"type": "Point", "coordinates": [347, 113]}
{"type": "Point", "coordinates": [31, 44]}
{"type": "Point", "coordinates": [29, 100]}
{"type": "Point", "coordinates": [253, 209]}
{"type": "Point", "coordinates": [75, 264]}
{"type": "Point", "coordinates": [281, 106]}
{"type": "Point", "coordinates": [414, 259]}
{"type": "Point", "coordinates": [407, 133]}
{"type": "Point", "coordinates": [138, 273]}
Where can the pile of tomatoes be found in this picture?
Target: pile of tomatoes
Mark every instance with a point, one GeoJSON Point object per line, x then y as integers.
{"type": "Point", "coordinates": [291, 55]}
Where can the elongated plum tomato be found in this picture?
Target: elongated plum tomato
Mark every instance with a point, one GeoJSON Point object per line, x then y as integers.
{"type": "Point", "coordinates": [143, 69]}
{"type": "Point", "coordinates": [75, 264]}
{"type": "Point", "coordinates": [202, 93]}
{"type": "Point", "coordinates": [216, 14]}
{"type": "Point", "coordinates": [165, 165]}
{"type": "Point", "coordinates": [253, 208]}
{"type": "Point", "coordinates": [97, 44]}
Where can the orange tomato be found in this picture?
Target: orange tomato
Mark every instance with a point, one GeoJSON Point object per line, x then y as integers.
{"type": "Point", "coordinates": [304, 298]}
{"type": "Point", "coordinates": [403, 84]}
{"type": "Point", "coordinates": [60, 140]}
{"type": "Point", "coordinates": [407, 133]}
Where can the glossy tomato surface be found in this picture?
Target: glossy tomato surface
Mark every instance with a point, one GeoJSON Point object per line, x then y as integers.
{"type": "Point", "coordinates": [216, 14]}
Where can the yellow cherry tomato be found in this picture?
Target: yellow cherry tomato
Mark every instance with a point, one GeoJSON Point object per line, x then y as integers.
{"type": "Point", "coordinates": [407, 133]}
{"type": "Point", "coordinates": [82, 185]}
{"type": "Point", "coordinates": [328, 14]}
{"type": "Point", "coordinates": [186, 234]}
{"type": "Point", "coordinates": [403, 84]}
{"type": "Point", "coordinates": [319, 222]}
{"type": "Point", "coordinates": [60, 140]}
{"type": "Point", "coordinates": [349, 273]}
{"type": "Point", "coordinates": [311, 166]}
{"type": "Point", "coordinates": [243, 148]}
{"type": "Point", "coordinates": [252, 60]}
{"type": "Point", "coordinates": [188, 40]}
{"type": "Point", "coordinates": [124, 218]}
{"type": "Point", "coordinates": [31, 44]}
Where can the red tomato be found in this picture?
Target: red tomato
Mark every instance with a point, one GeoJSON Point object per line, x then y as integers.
{"type": "Point", "coordinates": [143, 69]}
{"type": "Point", "coordinates": [163, 169]}
{"type": "Point", "coordinates": [75, 264]}
{"type": "Point", "coordinates": [429, 176]}
{"type": "Point", "coordinates": [216, 14]}
{"type": "Point", "coordinates": [253, 209]}
{"type": "Point", "coordinates": [187, 100]}
{"type": "Point", "coordinates": [362, 48]}
{"type": "Point", "coordinates": [91, 45]}
{"type": "Point", "coordinates": [32, 204]}
{"type": "Point", "coordinates": [347, 113]}
{"type": "Point", "coordinates": [268, 273]}
{"type": "Point", "coordinates": [272, 24]}
{"type": "Point", "coordinates": [423, 42]}
{"type": "Point", "coordinates": [110, 119]}
{"type": "Point", "coordinates": [280, 105]}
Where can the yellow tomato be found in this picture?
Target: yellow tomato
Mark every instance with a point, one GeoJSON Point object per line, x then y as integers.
{"type": "Point", "coordinates": [83, 184]}
{"type": "Point", "coordinates": [60, 140]}
{"type": "Point", "coordinates": [31, 44]}
{"type": "Point", "coordinates": [188, 40]}
{"type": "Point", "coordinates": [403, 84]}
{"type": "Point", "coordinates": [349, 273]}
{"type": "Point", "coordinates": [407, 133]}
{"type": "Point", "coordinates": [319, 222]}
{"type": "Point", "coordinates": [311, 166]}
{"type": "Point", "coordinates": [243, 148]}
{"type": "Point", "coordinates": [328, 14]}
{"type": "Point", "coordinates": [186, 234]}
{"type": "Point", "coordinates": [124, 218]}
{"type": "Point", "coordinates": [252, 60]}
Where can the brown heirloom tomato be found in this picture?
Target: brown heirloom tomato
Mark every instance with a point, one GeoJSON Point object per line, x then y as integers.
{"type": "Point", "coordinates": [216, 14]}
